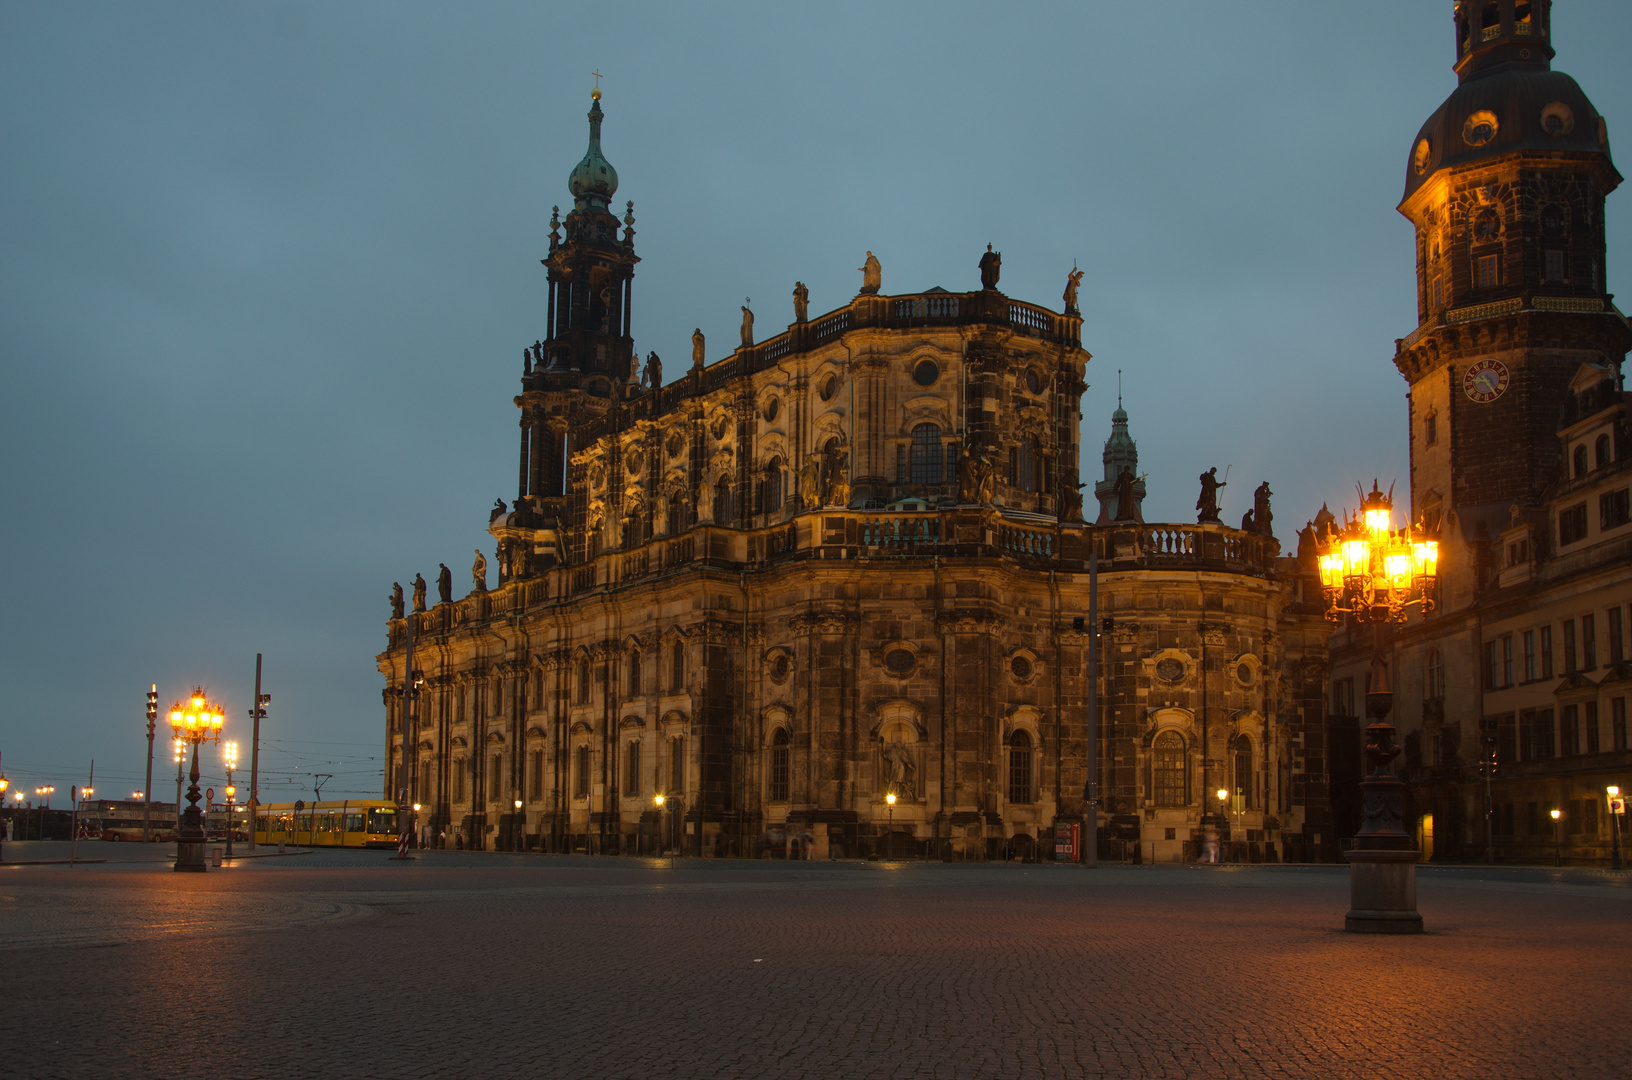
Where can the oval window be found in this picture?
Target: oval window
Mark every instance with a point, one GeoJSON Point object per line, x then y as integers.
{"type": "Point", "coordinates": [779, 667]}
{"type": "Point", "coordinates": [1243, 672]}
{"type": "Point", "coordinates": [1480, 128]}
{"type": "Point", "coordinates": [1557, 119]}
{"type": "Point", "coordinates": [925, 373]}
{"type": "Point", "coordinates": [1034, 381]}
{"type": "Point", "coordinates": [1487, 224]}
{"type": "Point", "coordinates": [828, 387]}
{"type": "Point", "coordinates": [899, 661]}
{"type": "Point", "coordinates": [1021, 667]}
{"type": "Point", "coordinates": [1170, 669]}
{"type": "Point", "coordinates": [1419, 158]}
{"type": "Point", "coordinates": [772, 407]}
{"type": "Point", "coordinates": [721, 426]}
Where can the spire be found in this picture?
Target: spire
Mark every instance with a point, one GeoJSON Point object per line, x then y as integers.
{"type": "Point", "coordinates": [1499, 33]}
{"type": "Point", "coordinates": [593, 181]}
{"type": "Point", "coordinates": [1121, 454]}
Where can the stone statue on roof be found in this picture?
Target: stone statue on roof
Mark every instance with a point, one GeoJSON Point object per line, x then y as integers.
{"type": "Point", "coordinates": [801, 302]}
{"type": "Point", "coordinates": [419, 592]}
{"type": "Point", "coordinates": [747, 326]}
{"type": "Point", "coordinates": [1207, 501]}
{"type": "Point", "coordinates": [697, 348]}
{"type": "Point", "coordinates": [871, 276]}
{"type": "Point", "coordinates": [991, 265]}
{"type": "Point", "coordinates": [396, 599]}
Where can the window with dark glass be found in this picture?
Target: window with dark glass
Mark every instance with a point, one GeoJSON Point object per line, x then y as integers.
{"type": "Point", "coordinates": [677, 765]}
{"type": "Point", "coordinates": [634, 672]}
{"type": "Point", "coordinates": [1493, 665]}
{"type": "Point", "coordinates": [1589, 725]}
{"type": "Point", "coordinates": [582, 687]}
{"type": "Point", "coordinates": [1589, 643]}
{"type": "Point", "coordinates": [1617, 723]}
{"type": "Point", "coordinates": [781, 764]}
{"type": "Point", "coordinates": [924, 373]}
{"type": "Point", "coordinates": [1554, 265]}
{"type": "Point", "coordinates": [1020, 758]}
{"type": "Point", "coordinates": [1167, 770]}
{"type": "Point", "coordinates": [535, 781]}
{"type": "Point", "coordinates": [1243, 772]}
{"type": "Point", "coordinates": [459, 780]}
{"type": "Point", "coordinates": [1617, 644]}
{"type": "Point", "coordinates": [1529, 656]}
{"type": "Point", "coordinates": [1578, 461]}
{"type": "Point", "coordinates": [1487, 272]}
{"type": "Point", "coordinates": [1569, 730]}
{"type": "Point", "coordinates": [580, 786]}
{"type": "Point", "coordinates": [1600, 452]}
{"type": "Point", "coordinates": [1572, 524]}
{"type": "Point", "coordinates": [677, 667]}
{"type": "Point", "coordinates": [1434, 674]}
{"type": "Point", "coordinates": [1487, 224]}
{"type": "Point", "coordinates": [1430, 429]}
{"type": "Point", "coordinates": [925, 457]}
{"type": "Point", "coordinates": [1507, 659]}
{"type": "Point", "coordinates": [631, 769]}
{"type": "Point", "coordinates": [1570, 667]}
{"type": "Point", "coordinates": [1613, 507]}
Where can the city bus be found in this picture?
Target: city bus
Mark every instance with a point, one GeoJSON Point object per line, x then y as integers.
{"type": "Point", "coordinates": [339, 823]}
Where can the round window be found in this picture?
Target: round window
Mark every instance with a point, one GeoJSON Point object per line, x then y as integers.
{"type": "Point", "coordinates": [1557, 119]}
{"type": "Point", "coordinates": [1243, 672]}
{"type": "Point", "coordinates": [899, 661]}
{"type": "Point", "coordinates": [1034, 381]}
{"type": "Point", "coordinates": [772, 407]}
{"type": "Point", "coordinates": [1487, 224]}
{"type": "Point", "coordinates": [779, 667]}
{"type": "Point", "coordinates": [1021, 666]}
{"type": "Point", "coordinates": [828, 387]}
{"type": "Point", "coordinates": [1480, 128]}
{"type": "Point", "coordinates": [676, 443]}
{"type": "Point", "coordinates": [721, 426]}
{"type": "Point", "coordinates": [1170, 669]}
{"type": "Point", "coordinates": [925, 373]}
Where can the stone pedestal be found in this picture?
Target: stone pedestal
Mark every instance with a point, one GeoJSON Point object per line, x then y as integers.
{"type": "Point", "coordinates": [1382, 893]}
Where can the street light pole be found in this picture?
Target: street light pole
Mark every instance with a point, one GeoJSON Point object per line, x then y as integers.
{"type": "Point", "coordinates": [147, 791]}
{"type": "Point", "coordinates": [229, 754]}
{"type": "Point", "coordinates": [256, 714]}
{"type": "Point", "coordinates": [1615, 807]}
{"type": "Point", "coordinates": [1558, 846]}
{"type": "Point", "coordinates": [197, 721]}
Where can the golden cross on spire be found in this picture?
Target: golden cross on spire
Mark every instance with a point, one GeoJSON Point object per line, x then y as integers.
{"type": "Point", "coordinates": [597, 75]}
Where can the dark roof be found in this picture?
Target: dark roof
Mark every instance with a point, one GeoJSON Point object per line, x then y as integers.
{"type": "Point", "coordinates": [1516, 95]}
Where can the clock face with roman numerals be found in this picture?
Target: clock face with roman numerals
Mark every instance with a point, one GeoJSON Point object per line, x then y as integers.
{"type": "Point", "coordinates": [1485, 381]}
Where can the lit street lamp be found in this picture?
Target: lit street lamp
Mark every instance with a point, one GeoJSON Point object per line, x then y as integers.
{"type": "Point", "coordinates": [229, 758]}
{"type": "Point", "coordinates": [521, 829]}
{"type": "Point", "coordinates": [44, 795]}
{"type": "Point", "coordinates": [1616, 808]}
{"type": "Point", "coordinates": [192, 722]}
{"type": "Point", "coordinates": [889, 837]}
{"type": "Point", "coordinates": [1373, 573]}
{"type": "Point", "coordinates": [1223, 795]}
{"type": "Point", "coordinates": [1558, 848]}
{"type": "Point", "coordinates": [4, 784]}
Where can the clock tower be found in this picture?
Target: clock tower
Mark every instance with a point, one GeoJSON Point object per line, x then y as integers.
{"type": "Point", "coordinates": [1505, 184]}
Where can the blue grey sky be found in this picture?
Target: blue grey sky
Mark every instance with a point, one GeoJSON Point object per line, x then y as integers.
{"type": "Point", "coordinates": [266, 271]}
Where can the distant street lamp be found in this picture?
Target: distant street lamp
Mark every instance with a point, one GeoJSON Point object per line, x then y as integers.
{"type": "Point", "coordinates": [192, 722]}
{"type": "Point", "coordinates": [419, 839]}
{"type": "Point", "coordinates": [44, 795]}
{"type": "Point", "coordinates": [4, 784]}
{"type": "Point", "coordinates": [1616, 809]}
{"type": "Point", "coordinates": [1223, 795]}
{"type": "Point", "coordinates": [889, 837]}
{"type": "Point", "coordinates": [1373, 573]}
{"type": "Point", "coordinates": [659, 799]}
{"type": "Point", "coordinates": [229, 758]}
{"type": "Point", "coordinates": [1558, 848]}
{"type": "Point", "coordinates": [521, 829]}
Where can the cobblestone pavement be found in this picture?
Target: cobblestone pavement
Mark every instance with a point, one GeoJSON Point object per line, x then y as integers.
{"type": "Point", "coordinates": [342, 964]}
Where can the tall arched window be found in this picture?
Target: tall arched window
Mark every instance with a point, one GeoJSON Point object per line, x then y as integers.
{"type": "Point", "coordinates": [631, 769]}
{"type": "Point", "coordinates": [925, 458]}
{"type": "Point", "coordinates": [773, 486]}
{"type": "Point", "coordinates": [1600, 452]}
{"type": "Point", "coordinates": [580, 786]}
{"type": "Point", "coordinates": [781, 764]}
{"type": "Point", "coordinates": [677, 667]}
{"type": "Point", "coordinates": [679, 514]}
{"type": "Point", "coordinates": [677, 765]}
{"type": "Point", "coordinates": [722, 502]}
{"type": "Point", "coordinates": [583, 682]}
{"type": "Point", "coordinates": [634, 672]}
{"type": "Point", "coordinates": [1021, 754]}
{"type": "Point", "coordinates": [1169, 781]}
{"type": "Point", "coordinates": [1026, 466]}
{"type": "Point", "coordinates": [1241, 754]}
{"type": "Point", "coordinates": [1433, 675]}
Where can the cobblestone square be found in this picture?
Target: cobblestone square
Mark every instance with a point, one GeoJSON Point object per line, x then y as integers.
{"type": "Point", "coordinates": [461, 965]}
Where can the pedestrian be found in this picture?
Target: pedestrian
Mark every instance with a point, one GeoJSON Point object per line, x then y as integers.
{"type": "Point", "coordinates": [442, 839]}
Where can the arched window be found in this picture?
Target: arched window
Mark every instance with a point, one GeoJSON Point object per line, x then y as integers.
{"type": "Point", "coordinates": [781, 764]}
{"type": "Point", "coordinates": [538, 689]}
{"type": "Point", "coordinates": [925, 457]}
{"type": "Point", "coordinates": [1242, 759]}
{"type": "Point", "coordinates": [634, 672]}
{"type": "Point", "coordinates": [1600, 452]}
{"type": "Point", "coordinates": [773, 485]}
{"type": "Point", "coordinates": [583, 682]}
{"type": "Point", "coordinates": [1021, 754]}
{"type": "Point", "coordinates": [1490, 20]}
{"type": "Point", "coordinates": [1169, 779]}
{"type": "Point", "coordinates": [677, 667]}
{"type": "Point", "coordinates": [631, 770]}
{"type": "Point", "coordinates": [1433, 675]}
{"type": "Point", "coordinates": [722, 502]}
{"type": "Point", "coordinates": [580, 786]}
{"type": "Point", "coordinates": [1579, 461]}
{"type": "Point", "coordinates": [677, 765]}
{"type": "Point", "coordinates": [459, 780]}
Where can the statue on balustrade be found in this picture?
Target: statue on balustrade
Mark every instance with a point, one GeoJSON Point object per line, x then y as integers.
{"type": "Point", "coordinates": [747, 325]}
{"type": "Point", "coordinates": [697, 349]}
{"type": "Point", "coordinates": [497, 511]}
{"type": "Point", "coordinates": [991, 266]}
{"type": "Point", "coordinates": [1247, 524]}
{"type": "Point", "coordinates": [871, 276]}
{"type": "Point", "coordinates": [1070, 500]}
{"type": "Point", "coordinates": [478, 573]}
{"type": "Point", "coordinates": [810, 482]}
{"type": "Point", "coordinates": [1260, 507]}
{"type": "Point", "coordinates": [1125, 508]}
{"type": "Point", "coordinates": [1207, 502]}
{"type": "Point", "coordinates": [444, 584]}
{"type": "Point", "coordinates": [419, 592]}
{"type": "Point", "coordinates": [1072, 281]}
{"type": "Point", "coordinates": [396, 599]}
{"type": "Point", "coordinates": [654, 372]}
{"type": "Point", "coordinates": [801, 302]}
{"type": "Point", "coordinates": [977, 480]}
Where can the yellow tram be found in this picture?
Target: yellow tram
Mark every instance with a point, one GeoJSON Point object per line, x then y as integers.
{"type": "Point", "coordinates": [343, 823]}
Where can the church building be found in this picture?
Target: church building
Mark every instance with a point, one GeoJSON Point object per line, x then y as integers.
{"type": "Point", "coordinates": [1513, 691]}
{"type": "Point", "coordinates": [827, 594]}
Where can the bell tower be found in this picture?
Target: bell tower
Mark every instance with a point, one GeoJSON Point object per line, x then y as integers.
{"type": "Point", "coordinates": [1505, 186]}
{"type": "Point", "coordinates": [585, 364]}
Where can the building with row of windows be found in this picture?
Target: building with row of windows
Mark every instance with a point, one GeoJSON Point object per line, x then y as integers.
{"type": "Point", "coordinates": [845, 564]}
{"type": "Point", "coordinates": [1513, 691]}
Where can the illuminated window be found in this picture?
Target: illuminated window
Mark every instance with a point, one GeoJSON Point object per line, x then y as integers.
{"type": "Point", "coordinates": [781, 760]}
{"type": "Point", "coordinates": [1020, 759]}
{"type": "Point", "coordinates": [925, 456]}
{"type": "Point", "coordinates": [1169, 785]}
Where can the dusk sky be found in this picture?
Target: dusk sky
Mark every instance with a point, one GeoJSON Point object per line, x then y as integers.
{"type": "Point", "coordinates": [268, 270]}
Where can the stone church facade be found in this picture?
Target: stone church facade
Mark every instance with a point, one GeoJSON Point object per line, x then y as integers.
{"type": "Point", "coordinates": [1513, 693]}
{"type": "Point", "coordinates": [845, 563]}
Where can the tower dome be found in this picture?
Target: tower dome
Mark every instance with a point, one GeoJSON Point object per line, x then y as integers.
{"type": "Point", "coordinates": [593, 181]}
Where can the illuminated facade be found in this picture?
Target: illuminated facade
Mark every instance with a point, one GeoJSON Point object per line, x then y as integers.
{"type": "Point", "coordinates": [1520, 458]}
{"type": "Point", "coordinates": [839, 564]}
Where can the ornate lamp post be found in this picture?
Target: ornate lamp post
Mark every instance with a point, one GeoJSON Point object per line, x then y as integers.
{"type": "Point", "coordinates": [229, 758]}
{"type": "Point", "coordinates": [1375, 574]}
{"type": "Point", "coordinates": [889, 836]}
{"type": "Point", "coordinates": [1616, 808]}
{"type": "Point", "coordinates": [1224, 817]}
{"type": "Point", "coordinates": [4, 784]}
{"type": "Point", "coordinates": [194, 721]}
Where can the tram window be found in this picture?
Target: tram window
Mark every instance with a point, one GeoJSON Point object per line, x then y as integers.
{"type": "Point", "coordinates": [354, 823]}
{"type": "Point", "coordinates": [382, 821]}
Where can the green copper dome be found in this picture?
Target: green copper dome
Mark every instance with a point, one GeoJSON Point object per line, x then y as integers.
{"type": "Point", "coordinates": [593, 181]}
